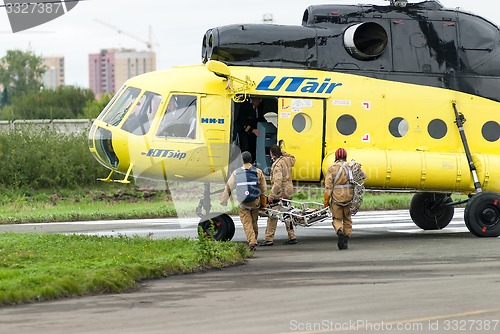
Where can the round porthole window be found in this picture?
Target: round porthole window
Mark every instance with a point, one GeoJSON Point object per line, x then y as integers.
{"type": "Point", "coordinates": [398, 127]}
{"type": "Point", "coordinates": [437, 129]}
{"type": "Point", "coordinates": [301, 123]}
{"type": "Point", "coordinates": [346, 125]}
{"type": "Point", "coordinates": [491, 131]}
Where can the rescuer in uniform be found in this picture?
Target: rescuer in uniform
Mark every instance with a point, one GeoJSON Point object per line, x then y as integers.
{"type": "Point", "coordinates": [338, 195]}
{"type": "Point", "coordinates": [248, 210]}
{"type": "Point", "coordinates": [281, 187]}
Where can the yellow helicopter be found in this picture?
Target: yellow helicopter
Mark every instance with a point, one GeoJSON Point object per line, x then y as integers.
{"type": "Point", "coordinates": [410, 90]}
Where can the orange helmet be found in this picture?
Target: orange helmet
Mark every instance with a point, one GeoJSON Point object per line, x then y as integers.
{"type": "Point", "coordinates": [340, 153]}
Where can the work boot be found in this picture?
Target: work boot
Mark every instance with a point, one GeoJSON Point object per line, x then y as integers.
{"type": "Point", "coordinates": [346, 239]}
{"type": "Point", "coordinates": [266, 243]}
{"type": "Point", "coordinates": [340, 241]}
{"type": "Point", "coordinates": [290, 242]}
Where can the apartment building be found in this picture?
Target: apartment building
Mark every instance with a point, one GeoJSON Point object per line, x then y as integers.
{"type": "Point", "coordinates": [54, 75]}
{"type": "Point", "coordinates": [110, 68]}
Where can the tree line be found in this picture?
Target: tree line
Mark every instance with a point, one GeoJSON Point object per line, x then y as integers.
{"type": "Point", "coordinates": [23, 95]}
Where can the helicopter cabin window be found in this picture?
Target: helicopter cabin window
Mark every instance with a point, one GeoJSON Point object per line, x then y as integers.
{"type": "Point", "coordinates": [398, 127]}
{"type": "Point", "coordinates": [180, 118]}
{"type": "Point", "coordinates": [346, 125]}
{"type": "Point", "coordinates": [139, 119]}
{"type": "Point", "coordinates": [118, 110]}
{"type": "Point", "coordinates": [437, 129]}
{"type": "Point", "coordinates": [491, 131]}
{"type": "Point", "coordinates": [111, 102]}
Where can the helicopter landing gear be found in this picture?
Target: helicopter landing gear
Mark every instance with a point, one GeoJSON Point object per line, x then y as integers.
{"type": "Point", "coordinates": [431, 211]}
{"type": "Point", "coordinates": [482, 214]}
{"type": "Point", "coordinates": [219, 226]}
{"type": "Point", "coordinates": [216, 225]}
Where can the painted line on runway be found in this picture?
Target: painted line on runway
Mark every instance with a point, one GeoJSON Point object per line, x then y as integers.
{"type": "Point", "coordinates": [136, 232]}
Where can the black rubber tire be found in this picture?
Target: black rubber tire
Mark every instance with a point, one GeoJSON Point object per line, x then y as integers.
{"type": "Point", "coordinates": [230, 223]}
{"type": "Point", "coordinates": [223, 226]}
{"type": "Point", "coordinates": [427, 218]}
{"type": "Point", "coordinates": [482, 214]}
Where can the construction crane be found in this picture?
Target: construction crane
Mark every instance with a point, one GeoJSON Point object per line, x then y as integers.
{"type": "Point", "coordinates": [149, 42]}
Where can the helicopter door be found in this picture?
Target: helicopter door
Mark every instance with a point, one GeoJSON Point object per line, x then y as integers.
{"type": "Point", "coordinates": [176, 142]}
{"type": "Point", "coordinates": [301, 128]}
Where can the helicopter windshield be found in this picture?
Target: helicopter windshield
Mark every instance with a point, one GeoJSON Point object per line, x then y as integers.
{"type": "Point", "coordinates": [116, 112]}
{"type": "Point", "coordinates": [139, 120]}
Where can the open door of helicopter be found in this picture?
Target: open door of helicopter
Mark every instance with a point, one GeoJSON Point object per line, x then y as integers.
{"type": "Point", "coordinates": [301, 128]}
{"type": "Point", "coordinates": [297, 124]}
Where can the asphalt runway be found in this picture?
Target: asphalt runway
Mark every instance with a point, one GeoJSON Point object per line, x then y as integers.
{"type": "Point", "coordinates": [393, 278]}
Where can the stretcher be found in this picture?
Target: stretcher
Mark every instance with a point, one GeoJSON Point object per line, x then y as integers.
{"type": "Point", "coordinates": [297, 213]}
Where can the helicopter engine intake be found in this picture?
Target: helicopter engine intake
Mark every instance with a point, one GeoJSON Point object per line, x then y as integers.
{"type": "Point", "coordinates": [365, 41]}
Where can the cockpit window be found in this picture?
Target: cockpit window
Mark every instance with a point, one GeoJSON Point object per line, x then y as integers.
{"type": "Point", "coordinates": [179, 120]}
{"type": "Point", "coordinates": [110, 103]}
{"type": "Point", "coordinates": [140, 118]}
{"type": "Point", "coordinates": [121, 106]}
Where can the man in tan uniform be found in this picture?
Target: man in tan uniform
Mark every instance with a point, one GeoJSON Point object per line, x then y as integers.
{"type": "Point", "coordinates": [250, 184]}
{"type": "Point", "coordinates": [281, 187]}
{"type": "Point", "coordinates": [338, 196]}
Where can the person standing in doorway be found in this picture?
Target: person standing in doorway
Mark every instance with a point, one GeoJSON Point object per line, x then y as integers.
{"type": "Point", "coordinates": [249, 114]}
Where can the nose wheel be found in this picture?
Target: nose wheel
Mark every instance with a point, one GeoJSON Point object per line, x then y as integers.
{"type": "Point", "coordinates": [482, 214]}
{"type": "Point", "coordinates": [218, 226]}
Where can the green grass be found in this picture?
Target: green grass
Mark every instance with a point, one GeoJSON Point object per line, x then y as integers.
{"type": "Point", "coordinates": [127, 202]}
{"type": "Point", "coordinates": [40, 267]}
{"type": "Point", "coordinates": [104, 202]}
{"type": "Point", "coordinates": [68, 210]}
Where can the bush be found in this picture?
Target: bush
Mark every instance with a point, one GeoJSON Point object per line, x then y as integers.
{"type": "Point", "coordinates": [41, 158]}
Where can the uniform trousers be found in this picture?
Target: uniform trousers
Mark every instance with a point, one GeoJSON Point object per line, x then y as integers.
{"type": "Point", "coordinates": [342, 218]}
{"type": "Point", "coordinates": [249, 218]}
{"type": "Point", "coordinates": [271, 229]}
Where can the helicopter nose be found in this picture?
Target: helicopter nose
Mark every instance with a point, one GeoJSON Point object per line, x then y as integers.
{"type": "Point", "coordinates": [101, 146]}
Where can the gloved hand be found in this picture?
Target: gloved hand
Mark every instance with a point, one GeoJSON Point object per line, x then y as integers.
{"type": "Point", "coordinates": [263, 201]}
{"type": "Point", "coordinates": [326, 200]}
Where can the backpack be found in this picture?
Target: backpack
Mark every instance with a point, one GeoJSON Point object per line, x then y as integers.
{"type": "Point", "coordinates": [247, 184]}
{"type": "Point", "coordinates": [356, 177]}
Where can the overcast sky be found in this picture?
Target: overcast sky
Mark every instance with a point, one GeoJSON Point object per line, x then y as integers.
{"type": "Point", "coordinates": [177, 27]}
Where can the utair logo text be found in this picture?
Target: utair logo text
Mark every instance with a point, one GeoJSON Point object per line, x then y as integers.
{"type": "Point", "coordinates": [300, 84]}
